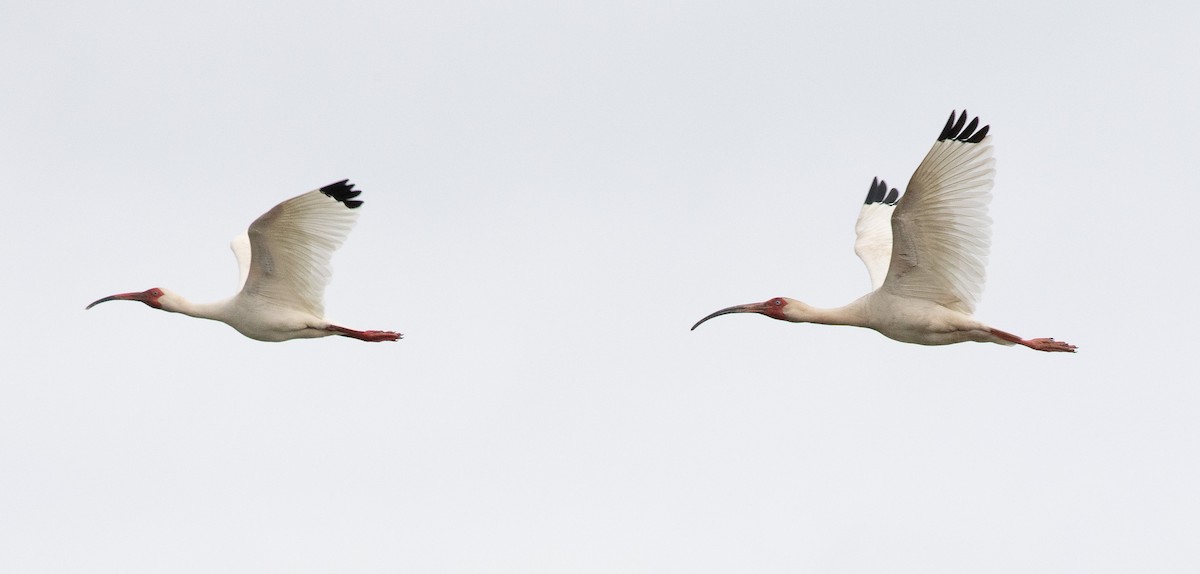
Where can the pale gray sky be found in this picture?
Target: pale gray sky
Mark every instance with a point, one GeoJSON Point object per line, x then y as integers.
{"type": "Point", "coordinates": [554, 193]}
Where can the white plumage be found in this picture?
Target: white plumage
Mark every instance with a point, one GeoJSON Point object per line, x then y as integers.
{"type": "Point", "coordinates": [926, 252]}
{"type": "Point", "coordinates": [941, 232]}
{"type": "Point", "coordinates": [874, 231]}
{"type": "Point", "coordinates": [283, 268]}
{"type": "Point", "coordinates": [291, 247]}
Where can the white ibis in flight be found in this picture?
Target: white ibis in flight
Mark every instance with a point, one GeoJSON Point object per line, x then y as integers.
{"type": "Point", "coordinates": [925, 252]}
{"type": "Point", "coordinates": [283, 263]}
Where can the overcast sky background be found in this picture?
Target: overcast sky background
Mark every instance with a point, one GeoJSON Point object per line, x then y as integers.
{"type": "Point", "coordinates": [554, 193]}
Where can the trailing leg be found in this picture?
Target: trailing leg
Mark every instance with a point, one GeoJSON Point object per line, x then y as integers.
{"type": "Point", "coordinates": [372, 336]}
{"type": "Point", "coordinates": [1047, 345]}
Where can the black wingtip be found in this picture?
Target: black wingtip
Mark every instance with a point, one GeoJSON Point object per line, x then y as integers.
{"type": "Point", "coordinates": [875, 194]}
{"type": "Point", "coordinates": [879, 193]}
{"type": "Point", "coordinates": [956, 131]}
{"type": "Point", "coordinates": [979, 135]}
{"type": "Point", "coordinates": [344, 192]}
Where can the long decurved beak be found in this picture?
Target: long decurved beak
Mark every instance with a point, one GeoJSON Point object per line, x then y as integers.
{"type": "Point", "coordinates": [119, 297]}
{"type": "Point", "coordinates": [747, 308]}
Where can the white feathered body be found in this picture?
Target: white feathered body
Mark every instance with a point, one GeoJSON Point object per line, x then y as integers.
{"type": "Point", "coordinates": [925, 252]}
{"type": "Point", "coordinates": [283, 268]}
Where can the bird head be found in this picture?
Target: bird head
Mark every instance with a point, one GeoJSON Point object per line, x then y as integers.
{"type": "Point", "coordinates": [152, 297]}
{"type": "Point", "coordinates": [780, 308]}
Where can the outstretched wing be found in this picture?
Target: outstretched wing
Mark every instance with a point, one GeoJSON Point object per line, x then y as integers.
{"type": "Point", "coordinates": [874, 229]}
{"type": "Point", "coordinates": [941, 232]}
{"type": "Point", "coordinates": [291, 246]}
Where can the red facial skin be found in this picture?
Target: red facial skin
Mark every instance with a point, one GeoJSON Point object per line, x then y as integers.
{"type": "Point", "coordinates": [773, 308]}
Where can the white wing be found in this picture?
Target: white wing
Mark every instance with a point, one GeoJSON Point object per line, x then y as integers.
{"type": "Point", "coordinates": [241, 250]}
{"type": "Point", "coordinates": [941, 230]}
{"type": "Point", "coordinates": [874, 229]}
{"type": "Point", "coordinates": [291, 246]}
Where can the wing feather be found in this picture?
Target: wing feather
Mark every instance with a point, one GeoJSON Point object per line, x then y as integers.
{"type": "Point", "coordinates": [941, 229]}
{"type": "Point", "coordinates": [874, 231]}
{"type": "Point", "coordinates": [292, 244]}
{"type": "Point", "coordinates": [242, 251]}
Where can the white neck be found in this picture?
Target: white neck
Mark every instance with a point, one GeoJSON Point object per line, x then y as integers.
{"type": "Point", "coordinates": [217, 310]}
{"type": "Point", "coordinates": [852, 314]}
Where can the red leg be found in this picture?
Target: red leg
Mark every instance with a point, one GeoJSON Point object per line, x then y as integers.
{"type": "Point", "coordinates": [373, 336]}
{"type": "Point", "coordinates": [1048, 345]}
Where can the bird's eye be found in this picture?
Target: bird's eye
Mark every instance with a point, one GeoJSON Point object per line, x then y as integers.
{"type": "Point", "coordinates": [777, 302]}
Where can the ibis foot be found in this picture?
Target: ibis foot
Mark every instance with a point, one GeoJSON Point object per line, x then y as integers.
{"type": "Point", "coordinates": [1049, 345]}
{"type": "Point", "coordinates": [372, 336]}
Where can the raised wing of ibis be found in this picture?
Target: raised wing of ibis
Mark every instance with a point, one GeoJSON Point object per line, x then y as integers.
{"type": "Point", "coordinates": [925, 252]}
{"type": "Point", "coordinates": [283, 268]}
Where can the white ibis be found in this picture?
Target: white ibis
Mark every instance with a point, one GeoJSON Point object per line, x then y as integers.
{"type": "Point", "coordinates": [283, 263]}
{"type": "Point", "coordinates": [925, 252]}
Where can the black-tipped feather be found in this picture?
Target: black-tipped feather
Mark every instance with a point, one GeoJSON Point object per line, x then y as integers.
{"type": "Point", "coordinates": [876, 193]}
{"type": "Point", "coordinates": [971, 126]}
{"type": "Point", "coordinates": [958, 126]}
{"type": "Point", "coordinates": [879, 193]}
{"type": "Point", "coordinates": [946, 130]}
{"type": "Point", "coordinates": [955, 130]}
{"type": "Point", "coordinates": [978, 137]}
{"type": "Point", "coordinates": [343, 192]}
